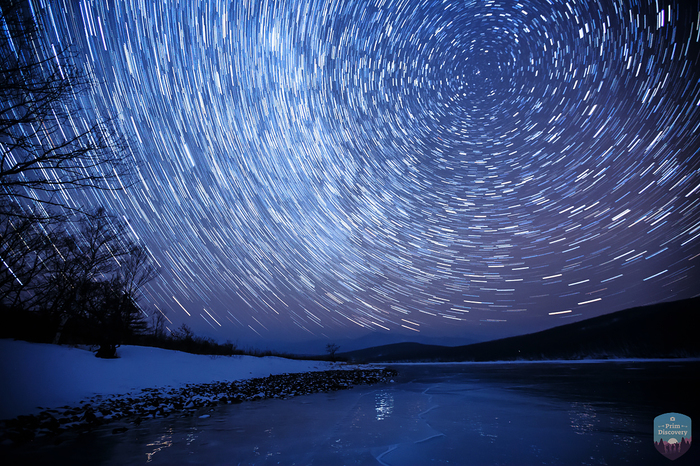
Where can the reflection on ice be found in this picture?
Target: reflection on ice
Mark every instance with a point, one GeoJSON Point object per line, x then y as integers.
{"type": "Point", "coordinates": [384, 404]}
{"type": "Point", "coordinates": [583, 418]}
{"type": "Point", "coordinates": [192, 435]}
{"type": "Point", "coordinates": [164, 441]}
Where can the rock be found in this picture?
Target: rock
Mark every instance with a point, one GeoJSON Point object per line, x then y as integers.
{"type": "Point", "coordinates": [89, 416]}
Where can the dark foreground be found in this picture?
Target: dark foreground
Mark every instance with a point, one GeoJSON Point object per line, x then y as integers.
{"type": "Point", "coordinates": [508, 413]}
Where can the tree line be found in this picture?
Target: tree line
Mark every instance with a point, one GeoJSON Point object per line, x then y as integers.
{"type": "Point", "coordinates": [75, 281]}
{"type": "Point", "coordinates": [67, 273]}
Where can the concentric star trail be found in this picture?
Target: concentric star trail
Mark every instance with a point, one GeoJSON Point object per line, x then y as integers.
{"type": "Point", "coordinates": [319, 166]}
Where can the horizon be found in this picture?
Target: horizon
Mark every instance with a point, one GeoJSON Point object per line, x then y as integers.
{"type": "Point", "coordinates": [425, 171]}
{"type": "Point", "coordinates": [375, 339]}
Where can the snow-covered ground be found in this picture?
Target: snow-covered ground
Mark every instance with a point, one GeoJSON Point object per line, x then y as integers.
{"type": "Point", "coordinates": [34, 375]}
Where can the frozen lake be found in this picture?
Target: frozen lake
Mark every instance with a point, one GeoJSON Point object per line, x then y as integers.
{"type": "Point", "coordinates": [528, 413]}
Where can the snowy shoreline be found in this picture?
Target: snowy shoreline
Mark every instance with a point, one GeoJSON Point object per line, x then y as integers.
{"type": "Point", "coordinates": [153, 403]}
{"type": "Point", "coordinates": [49, 389]}
{"type": "Point", "coordinates": [38, 376]}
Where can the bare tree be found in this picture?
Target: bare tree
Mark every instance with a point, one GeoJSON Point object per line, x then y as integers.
{"type": "Point", "coordinates": [93, 274]}
{"type": "Point", "coordinates": [157, 323]}
{"type": "Point", "coordinates": [118, 321]}
{"type": "Point", "coordinates": [44, 148]}
{"type": "Point", "coordinates": [184, 333]}
{"type": "Point", "coordinates": [95, 282]}
{"type": "Point", "coordinates": [87, 275]}
{"type": "Point", "coordinates": [89, 255]}
{"type": "Point", "coordinates": [121, 317]}
{"type": "Point", "coordinates": [331, 349]}
{"type": "Point", "coordinates": [27, 249]}
{"type": "Point", "coordinates": [135, 270]}
{"type": "Point", "coordinates": [20, 252]}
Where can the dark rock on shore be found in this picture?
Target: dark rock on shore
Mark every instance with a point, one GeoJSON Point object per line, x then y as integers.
{"type": "Point", "coordinates": [162, 402]}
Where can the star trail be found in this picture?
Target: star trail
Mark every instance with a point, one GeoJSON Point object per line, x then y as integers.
{"type": "Point", "coordinates": [429, 167]}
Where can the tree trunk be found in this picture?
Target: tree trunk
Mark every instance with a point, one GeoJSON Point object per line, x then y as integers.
{"type": "Point", "coordinates": [57, 338]}
{"type": "Point", "coordinates": [107, 351]}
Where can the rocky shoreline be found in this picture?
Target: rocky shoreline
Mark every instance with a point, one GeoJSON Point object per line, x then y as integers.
{"type": "Point", "coordinates": [185, 401]}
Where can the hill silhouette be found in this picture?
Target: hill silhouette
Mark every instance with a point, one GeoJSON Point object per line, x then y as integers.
{"type": "Point", "coordinates": [664, 330]}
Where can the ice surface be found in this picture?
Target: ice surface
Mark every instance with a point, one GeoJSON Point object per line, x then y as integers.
{"type": "Point", "coordinates": [37, 375]}
{"type": "Point", "coordinates": [433, 414]}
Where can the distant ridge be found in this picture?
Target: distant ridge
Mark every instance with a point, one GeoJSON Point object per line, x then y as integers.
{"type": "Point", "coordinates": [664, 330]}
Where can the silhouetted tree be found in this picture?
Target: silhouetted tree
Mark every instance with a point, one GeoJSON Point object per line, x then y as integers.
{"type": "Point", "coordinates": [44, 149]}
{"type": "Point", "coordinates": [92, 254]}
{"type": "Point", "coordinates": [123, 319]}
{"type": "Point", "coordinates": [157, 324]}
{"type": "Point", "coordinates": [184, 332]}
{"type": "Point", "coordinates": [185, 338]}
{"type": "Point", "coordinates": [120, 320]}
{"type": "Point", "coordinates": [47, 146]}
{"type": "Point", "coordinates": [331, 349]}
{"type": "Point", "coordinates": [84, 277]}
{"type": "Point", "coordinates": [26, 247]}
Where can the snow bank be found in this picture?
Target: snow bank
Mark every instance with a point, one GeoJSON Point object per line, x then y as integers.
{"type": "Point", "coordinates": [34, 375]}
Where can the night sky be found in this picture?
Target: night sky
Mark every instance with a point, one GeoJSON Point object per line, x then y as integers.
{"type": "Point", "coordinates": [317, 169]}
